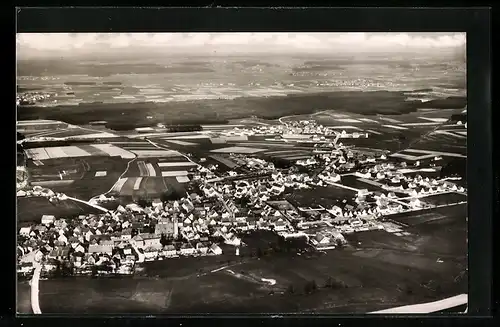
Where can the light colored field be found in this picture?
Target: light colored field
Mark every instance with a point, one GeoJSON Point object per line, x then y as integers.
{"type": "Point", "coordinates": [345, 127]}
{"type": "Point", "coordinates": [181, 142]}
{"type": "Point", "coordinates": [348, 120]}
{"type": "Point", "coordinates": [238, 149]}
{"type": "Point", "coordinates": [395, 127]}
{"type": "Point", "coordinates": [56, 152]}
{"type": "Point", "coordinates": [453, 134]}
{"type": "Point", "coordinates": [130, 142]}
{"type": "Point", "coordinates": [95, 135]}
{"type": "Point", "coordinates": [37, 154]}
{"type": "Point", "coordinates": [368, 181]}
{"type": "Point", "coordinates": [174, 173]}
{"type": "Point", "coordinates": [143, 171]}
{"type": "Point", "coordinates": [297, 157]}
{"type": "Point", "coordinates": [151, 169]}
{"type": "Point", "coordinates": [74, 151]}
{"type": "Point", "coordinates": [189, 137]}
{"type": "Point", "coordinates": [368, 120]}
{"type": "Point", "coordinates": [176, 164]}
{"type": "Point", "coordinates": [434, 119]}
{"type": "Point", "coordinates": [420, 124]}
{"type": "Point", "coordinates": [284, 152]}
{"type": "Point", "coordinates": [137, 183]}
{"type": "Point", "coordinates": [100, 173]}
{"type": "Point", "coordinates": [374, 132]}
{"type": "Point", "coordinates": [410, 157]}
{"type": "Point", "coordinates": [53, 183]}
{"type": "Point", "coordinates": [119, 184]}
{"type": "Point", "coordinates": [182, 179]}
{"type": "Point", "coordinates": [155, 153]}
{"type": "Point", "coordinates": [266, 144]}
{"type": "Point", "coordinates": [437, 153]}
{"type": "Point", "coordinates": [114, 151]}
{"type": "Point", "coordinates": [391, 120]}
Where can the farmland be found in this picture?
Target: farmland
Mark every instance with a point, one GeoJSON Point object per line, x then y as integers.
{"type": "Point", "coordinates": [444, 199]}
{"type": "Point", "coordinates": [448, 213]}
{"type": "Point", "coordinates": [320, 196]}
{"type": "Point", "coordinates": [33, 208]}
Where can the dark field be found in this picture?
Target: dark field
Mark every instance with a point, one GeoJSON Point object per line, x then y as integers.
{"type": "Point", "coordinates": [325, 196]}
{"type": "Point", "coordinates": [32, 209]}
{"type": "Point", "coordinates": [442, 199]}
{"type": "Point", "coordinates": [433, 216]}
{"type": "Point", "coordinates": [353, 181]}
{"type": "Point", "coordinates": [82, 171]}
{"type": "Point", "coordinates": [367, 103]}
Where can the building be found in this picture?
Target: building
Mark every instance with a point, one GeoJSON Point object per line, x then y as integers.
{"type": "Point", "coordinates": [215, 249]}
{"type": "Point", "coordinates": [150, 240]}
{"type": "Point", "coordinates": [48, 219]}
{"type": "Point", "coordinates": [165, 227]}
{"type": "Point", "coordinates": [187, 249]}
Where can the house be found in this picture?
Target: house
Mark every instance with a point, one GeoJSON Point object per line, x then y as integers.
{"type": "Point", "coordinates": [187, 249]}
{"type": "Point", "coordinates": [138, 241]}
{"type": "Point", "coordinates": [59, 253]}
{"type": "Point", "coordinates": [280, 225]}
{"type": "Point", "coordinates": [202, 247]}
{"type": "Point", "coordinates": [157, 203]}
{"type": "Point", "coordinates": [25, 231]}
{"type": "Point", "coordinates": [151, 240]}
{"type": "Point", "coordinates": [151, 253]}
{"type": "Point", "coordinates": [63, 239]}
{"type": "Point", "coordinates": [48, 219]}
{"type": "Point", "coordinates": [169, 251]}
{"type": "Point", "coordinates": [165, 227]}
{"type": "Point", "coordinates": [126, 234]}
{"type": "Point", "coordinates": [79, 249]}
{"type": "Point", "coordinates": [323, 242]}
{"type": "Point", "coordinates": [215, 249]}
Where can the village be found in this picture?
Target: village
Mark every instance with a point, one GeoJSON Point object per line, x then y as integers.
{"type": "Point", "coordinates": [221, 207]}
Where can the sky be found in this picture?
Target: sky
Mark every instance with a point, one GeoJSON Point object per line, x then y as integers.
{"type": "Point", "coordinates": [68, 43]}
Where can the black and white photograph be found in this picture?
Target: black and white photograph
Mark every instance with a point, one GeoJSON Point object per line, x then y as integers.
{"type": "Point", "coordinates": [241, 173]}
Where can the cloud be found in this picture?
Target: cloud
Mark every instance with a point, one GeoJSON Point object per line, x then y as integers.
{"type": "Point", "coordinates": [64, 42]}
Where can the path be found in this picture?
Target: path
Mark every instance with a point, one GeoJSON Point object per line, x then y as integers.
{"type": "Point", "coordinates": [88, 203]}
{"type": "Point", "coordinates": [35, 304]}
{"type": "Point", "coordinates": [428, 307]}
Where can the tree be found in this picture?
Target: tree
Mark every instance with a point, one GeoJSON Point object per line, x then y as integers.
{"type": "Point", "coordinates": [314, 287]}
{"type": "Point", "coordinates": [329, 282]}
{"type": "Point", "coordinates": [259, 252]}
{"type": "Point", "coordinates": [163, 240]}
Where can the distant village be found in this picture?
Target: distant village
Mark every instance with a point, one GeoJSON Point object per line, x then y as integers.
{"type": "Point", "coordinates": [221, 208]}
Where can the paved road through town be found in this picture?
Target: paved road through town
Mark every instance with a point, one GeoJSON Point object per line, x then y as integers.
{"type": "Point", "coordinates": [35, 304]}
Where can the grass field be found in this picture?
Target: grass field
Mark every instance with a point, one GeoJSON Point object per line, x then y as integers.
{"type": "Point", "coordinates": [355, 182]}
{"type": "Point", "coordinates": [33, 208]}
{"type": "Point", "coordinates": [325, 196]}
{"type": "Point", "coordinates": [442, 199]}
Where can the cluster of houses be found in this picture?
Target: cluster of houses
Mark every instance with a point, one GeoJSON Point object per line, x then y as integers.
{"type": "Point", "coordinates": [31, 97]}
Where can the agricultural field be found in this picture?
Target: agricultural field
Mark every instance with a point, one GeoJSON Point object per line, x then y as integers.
{"type": "Point", "coordinates": [415, 218]}
{"type": "Point", "coordinates": [359, 183]}
{"type": "Point", "coordinates": [444, 199]}
{"type": "Point", "coordinates": [31, 209]}
{"type": "Point", "coordinates": [320, 196]}
{"type": "Point", "coordinates": [81, 177]}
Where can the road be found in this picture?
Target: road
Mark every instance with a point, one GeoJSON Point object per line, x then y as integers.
{"type": "Point", "coordinates": [35, 304]}
{"type": "Point", "coordinates": [88, 203]}
{"type": "Point", "coordinates": [429, 307]}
